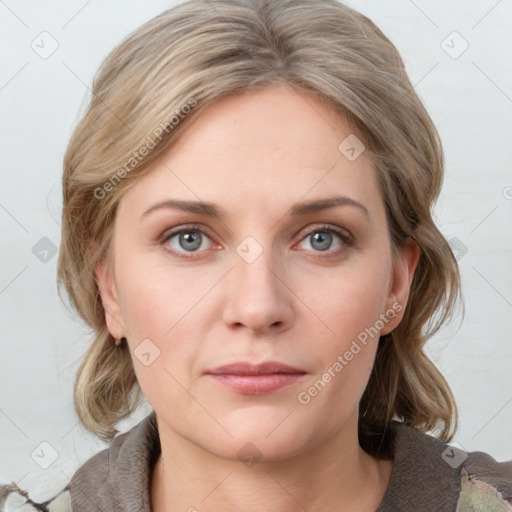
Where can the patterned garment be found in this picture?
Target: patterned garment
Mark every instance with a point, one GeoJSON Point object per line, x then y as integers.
{"type": "Point", "coordinates": [478, 496]}
{"type": "Point", "coordinates": [59, 503]}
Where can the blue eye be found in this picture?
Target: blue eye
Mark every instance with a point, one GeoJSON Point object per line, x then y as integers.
{"type": "Point", "coordinates": [186, 242]}
{"type": "Point", "coordinates": [321, 238]}
{"type": "Point", "coordinates": [188, 239]}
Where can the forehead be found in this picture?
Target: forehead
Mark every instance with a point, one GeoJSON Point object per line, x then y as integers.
{"type": "Point", "coordinates": [261, 147]}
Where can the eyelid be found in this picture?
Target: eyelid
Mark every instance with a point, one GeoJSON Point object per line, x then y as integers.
{"type": "Point", "coordinates": [343, 233]}
{"type": "Point", "coordinates": [170, 233]}
{"type": "Point", "coordinates": [346, 237]}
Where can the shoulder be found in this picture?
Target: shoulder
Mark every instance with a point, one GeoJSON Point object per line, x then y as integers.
{"type": "Point", "coordinates": [92, 474]}
{"type": "Point", "coordinates": [61, 502]}
{"type": "Point", "coordinates": [485, 484]}
{"type": "Point", "coordinates": [88, 478]}
{"type": "Point", "coordinates": [92, 479]}
{"type": "Point", "coordinates": [117, 477]}
{"type": "Point", "coordinates": [428, 470]}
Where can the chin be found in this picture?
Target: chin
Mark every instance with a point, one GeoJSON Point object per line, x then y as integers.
{"type": "Point", "coordinates": [252, 450]}
{"type": "Point", "coordinates": [261, 435]}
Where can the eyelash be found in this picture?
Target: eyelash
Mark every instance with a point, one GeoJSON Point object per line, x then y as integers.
{"type": "Point", "coordinates": [347, 239]}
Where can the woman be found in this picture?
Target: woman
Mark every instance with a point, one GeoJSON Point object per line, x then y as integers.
{"type": "Point", "coordinates": [247, 228]}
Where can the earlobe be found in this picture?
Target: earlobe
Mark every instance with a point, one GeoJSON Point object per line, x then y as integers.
{"type": "Point", "coordinates": [403, 273]}
{"type": "Point", "coordinates": [109, 298]}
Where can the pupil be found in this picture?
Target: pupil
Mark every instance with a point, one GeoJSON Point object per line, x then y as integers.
{"type": "Point", "coordinates": [190, 237]}
{"type": "Point", "coordinates": [322, 237]}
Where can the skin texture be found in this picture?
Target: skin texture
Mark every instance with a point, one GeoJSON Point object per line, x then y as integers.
{"type": "Point", "coordinates": [255, 155]}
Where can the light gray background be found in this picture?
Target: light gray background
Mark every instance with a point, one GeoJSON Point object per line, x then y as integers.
{"type": "Point", "coordinates": [469, 98]}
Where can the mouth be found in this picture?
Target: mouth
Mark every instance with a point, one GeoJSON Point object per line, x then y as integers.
{"type": "Point", "coordinates": [255, 379]}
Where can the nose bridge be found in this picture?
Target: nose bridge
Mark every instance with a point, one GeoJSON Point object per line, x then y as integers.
{"type": "Point", "coordinates": [257, 297]}
{"type": "Point", "coordinates": [256, 266]}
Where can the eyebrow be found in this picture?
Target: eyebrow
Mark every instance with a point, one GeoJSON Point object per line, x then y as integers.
{"type": "Point", "coordinates": [297, 210]}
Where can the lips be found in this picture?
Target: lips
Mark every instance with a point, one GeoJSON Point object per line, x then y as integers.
{"type": "Point", "coordinates": [256, 379]}
{"type": "Point", "coordinates": [268, 367]}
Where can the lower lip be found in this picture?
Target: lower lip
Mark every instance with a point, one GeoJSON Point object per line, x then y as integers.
{"type": "Point", "coordinates": [257, 384]}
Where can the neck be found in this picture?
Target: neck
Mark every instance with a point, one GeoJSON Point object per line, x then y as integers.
{"type": "Point", "coordinates": [188, 478]}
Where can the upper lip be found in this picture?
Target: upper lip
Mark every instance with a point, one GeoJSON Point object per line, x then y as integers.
{"type": "Point", "coordinates": [245, 368]}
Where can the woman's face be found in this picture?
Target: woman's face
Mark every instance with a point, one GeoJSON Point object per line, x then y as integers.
{"type": "Point", "coordinates": [269, 278]}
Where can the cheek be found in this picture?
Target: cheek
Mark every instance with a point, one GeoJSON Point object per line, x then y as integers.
{"type": "Point", "coordinates": [164, 313]}
{"type": "Point", "coordinates": [155, 296]}
{"type": "Point", "coordinates": [161, 337]}
{"type": "Point", "coordinates": [344, 360]}
{"type": "Point", "coordinates": [350, 303]}
{"type": "Point", "coordinates": [349, 299]}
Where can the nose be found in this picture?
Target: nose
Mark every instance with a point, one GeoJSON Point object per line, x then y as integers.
{"type": "Point", "coordinates": [258, 296]}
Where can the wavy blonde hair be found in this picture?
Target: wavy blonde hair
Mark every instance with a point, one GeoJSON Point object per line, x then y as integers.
{"type": "Point", "coordinates": [199, 52]}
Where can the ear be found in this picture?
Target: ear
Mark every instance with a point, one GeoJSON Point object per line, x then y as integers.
{"type": "Point", "coordinates": [403, 273]}
{"type": "Point", "coordinates": [107, 287]}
